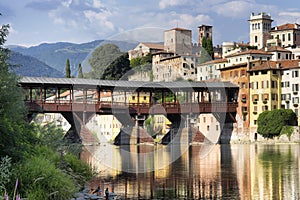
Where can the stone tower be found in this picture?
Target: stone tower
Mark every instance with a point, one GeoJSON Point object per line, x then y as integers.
{"type": "Point", "coordinates": [260, 26]}
{"type": "Point", "coordinates": [204, 31]}
{"type": "Point", "coordinates": [178, 41]}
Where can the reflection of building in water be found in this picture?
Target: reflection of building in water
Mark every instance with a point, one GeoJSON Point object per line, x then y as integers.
{"type": "Point", "coordinates": [106, 127]}
{"type": "Point", "coordinates": [52, 118]}
{"type": "Point", "coordinates": [274, 170]}
{"type": "Point", "coordinates": [247, 171]}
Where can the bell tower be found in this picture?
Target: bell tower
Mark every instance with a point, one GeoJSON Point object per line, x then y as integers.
{"type": "Point", "coordinates": [260, 27]}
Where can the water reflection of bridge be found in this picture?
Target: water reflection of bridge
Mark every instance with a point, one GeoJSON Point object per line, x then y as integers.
{"type": "Point", "coordinates": [48, 95]}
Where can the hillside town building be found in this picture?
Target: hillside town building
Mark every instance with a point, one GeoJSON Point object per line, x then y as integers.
{"type": "Point", "coordinates": [266, 70]}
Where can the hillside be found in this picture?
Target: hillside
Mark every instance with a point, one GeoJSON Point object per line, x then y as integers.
{"type": "Point", "coordinates": [29, 66]}
{"type": "Point", "coordinates": [56, 54]}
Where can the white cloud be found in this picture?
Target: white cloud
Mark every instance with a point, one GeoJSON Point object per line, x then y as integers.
{"type": "Point", "coordinates": [165, 3]}
{"type": "Point", "coordinates": [288, 17]}
{"type": "Point", "coordinates": [99, 19]}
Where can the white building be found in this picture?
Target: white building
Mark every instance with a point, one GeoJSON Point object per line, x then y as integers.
{"type": "Point", "coordinates": [260, 27]}
{"type": "Point", "coordinates": [288, 34]}
{"type": "Point", "coordinates": [290, 83]}
{"type": "Point", "coordinates": [143, 48]}
{"type": "Point", "coordinates": [210, 70]}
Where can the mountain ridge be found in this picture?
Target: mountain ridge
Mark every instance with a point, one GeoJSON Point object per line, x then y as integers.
{"type": "Point", "coordinates": [56, 54]}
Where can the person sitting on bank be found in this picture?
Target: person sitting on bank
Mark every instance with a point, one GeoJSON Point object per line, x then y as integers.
{"type": "Point", "coordinates": [106, 193]}
{"type": "Point", "coordinates": [97, 191]}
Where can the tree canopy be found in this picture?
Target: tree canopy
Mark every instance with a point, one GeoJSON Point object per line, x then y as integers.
{"type": "Point", "coordinates": [101, 58]}
{"type": "Point", "coordinates": [270, 123]}
{"type": "Point", "coordinates": [207, 50]}
{"type": "Point", "coordinates": [117, 69]}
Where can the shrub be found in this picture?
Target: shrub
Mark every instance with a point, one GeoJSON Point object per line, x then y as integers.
{"type": "Point", "coordinates": [79, 171]}
{"type": "Point", "coordinates": [39, 178]}
{"type": "Point", "coordinates": [270, 123]}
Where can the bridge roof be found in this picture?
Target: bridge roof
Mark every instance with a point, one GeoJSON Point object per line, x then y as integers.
{"type": "Point", "coordinates": [121, 84]}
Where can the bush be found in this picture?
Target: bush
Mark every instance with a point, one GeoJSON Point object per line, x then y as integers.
{"type": "Point", "coordinates": [79, 171]}
{"type": "Point", "coordinates": [40, 179]}
{"type": "Point", "coordinates": [270, 123]}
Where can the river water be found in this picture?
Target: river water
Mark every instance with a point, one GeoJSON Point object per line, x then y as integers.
{"type": "Point", "coordinates": [236, 171]}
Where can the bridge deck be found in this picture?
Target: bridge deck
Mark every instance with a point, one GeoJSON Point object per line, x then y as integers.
{"type": "Point", "coordinates": [132, 108]}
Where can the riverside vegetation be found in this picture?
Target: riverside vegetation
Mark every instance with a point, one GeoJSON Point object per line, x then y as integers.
{"type": "Point", "coordinates": [35, 162]}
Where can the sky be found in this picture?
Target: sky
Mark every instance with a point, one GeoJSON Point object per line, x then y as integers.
{"type": "Point", "coordinates": [33, 22]}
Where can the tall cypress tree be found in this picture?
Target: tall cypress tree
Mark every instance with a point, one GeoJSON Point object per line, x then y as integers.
{"type": "Point", "coordinates": [68, 69]}
{"type": "Point", "coordinates": [80, 74]}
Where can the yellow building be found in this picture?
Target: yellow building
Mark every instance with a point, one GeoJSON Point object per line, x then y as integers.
{"type": "Point", "coordinates": [141, 97]}
{"type": "Point", "coordinates": [264, 91]}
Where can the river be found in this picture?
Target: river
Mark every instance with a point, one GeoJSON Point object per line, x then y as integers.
{"type": "Point", "coordinates": [236, 171]}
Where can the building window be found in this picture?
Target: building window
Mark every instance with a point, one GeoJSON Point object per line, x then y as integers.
{"type": "Point", "coordinates": [255, 122]}
{"type": "Point", "coordinates": [204, 119]}
{"type": "Point", "coordinates": [265, 97]}
{"type": "Point", "coordinates": [207, 127]}
{"type": "Point", "coordinates": [255, 39]}
{"type": "Point", "coordinates": [255, 97]}
{"type": "Point", "coordinates": [283, 37]}
{"type": "Point", "coordinates": [217, 127]}
{"type": "Point", "coordinates": [274, 84]}
{"type": "Point", "coordinates": [296, 100]}
{"type": "Point", "coordinates": [295, 87]}
{"type": "Point", "coordinates": [295, 74]}
{"type": "Point", "coordinates": [279, 55]}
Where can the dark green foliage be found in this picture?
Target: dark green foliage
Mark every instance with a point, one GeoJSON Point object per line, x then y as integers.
{"type": "Point", "coordinates": [117, 69]}
{"type": "Point", "coordinates": [39, 173]}
{"type": "Point", "coordinates": [37, 153]}
{"type": "Point", "coordinates": [270, 123]}
{"type": "Point", "coordinates": [68, 69]}
{"type": "Point", "coordinates": [101, 58]}
{"type": "Point", "coordinates": [80, 73]}
{"type": "Point", "coordinates": [207, 50]}
{"type": "Point", "coordinates": [138, 61]}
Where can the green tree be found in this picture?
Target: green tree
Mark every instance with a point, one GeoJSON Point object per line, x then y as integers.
{"type": "Point", "coordinates": [207, 50]}
{"type": "Point", "coordinates": [117, 69]}
{"type": "Point", "coordinates": [101, 58]}
{"type": "Point", "coordinates": [80, 74]}
{"type": "Point", "coordinates": [14, 133]}
{"type": "Point", "coordinates": [270, 123]}
{"type": "Point", "coordinates": [68, 69]}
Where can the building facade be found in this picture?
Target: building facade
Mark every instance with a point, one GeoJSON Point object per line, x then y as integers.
{"type": "Point", "coordinates": [260, 27]}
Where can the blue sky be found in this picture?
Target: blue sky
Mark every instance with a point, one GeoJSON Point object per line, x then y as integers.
{"type": "Point", "coordinates": [38, 21]}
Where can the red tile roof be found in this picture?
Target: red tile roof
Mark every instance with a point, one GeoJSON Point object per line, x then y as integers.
{"type": "Point", "coordinates": [253, 51]}
{"type": "Point", "coordinates": [214, 61]}
{"type": "Point", "coordinates": [179, 29]}
{"type": "Point", "coordinates": [279, 65]}
{"type": "Point", "coordinates": [285, 27]}
{"type": "Point", "coordinates": [277, 48]}
{"type": "Point", "coordinates": [154, 45]}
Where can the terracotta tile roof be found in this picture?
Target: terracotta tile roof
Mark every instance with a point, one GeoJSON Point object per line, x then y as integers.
{"type": "Point", "coordinates": [277, 48]}
{"type": "Point", "coordinates": [244, 64]}
{"type": "Point", "coordinates": [253, 51]}
{"type": "Point", "coordinates": [214, 61]}
{"type": "Point", "coordinates": [163, 52]}
{"type": "Point", "coordinates": [179, 29]}
{"type": "Point", "coordinates": [154, 45]}
{"type": "Point", "coordinates": [286, 27]}
{"type": "Point", "coordinates": [278, 65]}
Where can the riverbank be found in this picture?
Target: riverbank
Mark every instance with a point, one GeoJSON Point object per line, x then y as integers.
{"type": "Point", "coordinates": [87, 194]}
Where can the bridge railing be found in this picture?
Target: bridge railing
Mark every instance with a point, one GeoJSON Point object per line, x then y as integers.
{"type": "Point", "coordinates": [109, 107]}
